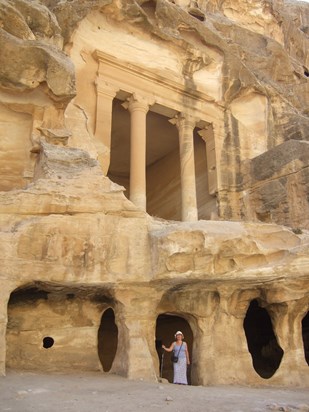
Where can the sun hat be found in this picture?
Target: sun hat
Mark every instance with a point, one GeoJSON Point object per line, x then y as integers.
{"type": "Point", "coordinates": [179, 333]}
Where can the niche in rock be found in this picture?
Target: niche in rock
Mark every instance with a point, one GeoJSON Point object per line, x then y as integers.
{"type": "Point", "coordinates": [261, 340]}
{"type": "Point", "coordinates": [305, 331]}
{"type": "Point", "coordinates": [58, 320]}
{"type": "Point", "coordinates": [166, 327]}
{"type": "Point", "coordinates": [48, 342]}
{"type": "Point", "coordinates": [107, 339]}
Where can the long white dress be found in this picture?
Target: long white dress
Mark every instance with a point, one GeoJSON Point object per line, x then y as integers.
{"type": "Point", "coordinates": [180, 367]}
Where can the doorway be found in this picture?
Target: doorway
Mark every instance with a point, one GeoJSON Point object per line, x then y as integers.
{"type": "Point", "coordinates": [166, 327]}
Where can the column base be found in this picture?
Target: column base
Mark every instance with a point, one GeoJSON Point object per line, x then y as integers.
{"type": "Point", "coordinates": [139, 201]}
{"type": "Point", "coordinates": [190, 215]}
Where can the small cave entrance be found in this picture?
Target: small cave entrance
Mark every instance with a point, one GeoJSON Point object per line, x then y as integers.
{"type": "Point", "coordinates": [107, 339]}
{"type": "Point", "coordinates": [261, 340]}
{"type": "Point", "coordinates": [305, 333]}
{"type": "Point", "coordinates": [166, 327]}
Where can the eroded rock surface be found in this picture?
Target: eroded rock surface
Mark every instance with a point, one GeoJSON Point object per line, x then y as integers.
{"type": "Point", "coordinates": [120, 119]}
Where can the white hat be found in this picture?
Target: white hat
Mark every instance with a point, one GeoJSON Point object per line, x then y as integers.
{"type": "Point", "coordinates": [178, 333]}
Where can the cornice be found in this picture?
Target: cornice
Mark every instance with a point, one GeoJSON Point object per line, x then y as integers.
{"type": "Point", "coordinates": [150, 76]}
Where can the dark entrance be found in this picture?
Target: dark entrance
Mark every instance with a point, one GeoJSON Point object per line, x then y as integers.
{"type": "Point", "coordinates": [107, 339]}
{"type": "Point", "coordinates": [167, 326]}
{"type": "Point", "coordinates": [305, 332]}
{"type": "Point", "coordinates": [262, 342]}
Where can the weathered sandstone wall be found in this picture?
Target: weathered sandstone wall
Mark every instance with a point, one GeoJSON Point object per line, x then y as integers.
{"type": "Point", "coordinates": [84, 248]}
{"type": "Point", "coordinates": [91, 280]}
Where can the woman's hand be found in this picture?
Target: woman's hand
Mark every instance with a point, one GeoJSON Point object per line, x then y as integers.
{"type": "Point", "coordinates": [164, 347]}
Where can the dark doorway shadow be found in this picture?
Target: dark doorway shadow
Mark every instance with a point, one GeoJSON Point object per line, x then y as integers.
{"type": "Point", "coordinates": [261, 340]}
{"type": "Point", "coordinates": [107, 339]}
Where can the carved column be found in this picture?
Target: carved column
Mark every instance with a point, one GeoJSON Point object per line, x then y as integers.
{"type": "Point", "coordinates": [103, 127]}
{"type": "Point", "coordinates": [185, 125]}
{"type": "Point", "coordinates": [286, 318]}
{"type": "Point", "coordinates": [136, 356]}
{"type": "Point", "coordinates": [138, 108]}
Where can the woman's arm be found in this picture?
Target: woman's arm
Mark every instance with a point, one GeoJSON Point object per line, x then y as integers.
{"type": "Point", "coordinates": [168, 349]}
{"type": "Point", "coordinates": [187, 355]}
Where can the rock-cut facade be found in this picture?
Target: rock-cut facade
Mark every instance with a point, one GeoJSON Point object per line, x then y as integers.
{"type": "Point", "coordinates": [154, 177]}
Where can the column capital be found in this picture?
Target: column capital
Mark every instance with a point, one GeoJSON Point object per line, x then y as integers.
{"type": "Point", "coordinates": [182, 120]}
{"type": "Point", "coordinates": [104, 88]}
{"type": "Point", "coordinates": [138, 102]}
{"type": "Point", "coordinates": [204, 133]}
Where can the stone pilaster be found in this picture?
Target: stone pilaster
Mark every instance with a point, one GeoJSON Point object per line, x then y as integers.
{"type": "Point", "coordinates": [103, 126]}
{"type": "Point", "coordinates": [209, 140]}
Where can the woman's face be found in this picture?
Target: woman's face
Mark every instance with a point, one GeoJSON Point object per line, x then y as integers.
{"type": "Point", "coordinates": [179, 337]}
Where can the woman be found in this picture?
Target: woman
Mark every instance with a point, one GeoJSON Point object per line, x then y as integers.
{"type": "Point", "coordinates": [180, 349]}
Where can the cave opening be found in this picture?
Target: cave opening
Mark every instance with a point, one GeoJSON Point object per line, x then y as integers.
{"type": "Point", "coordinates": [305, 333]}
{"type": "Point", "coordinates": [166, 327]}
{"type": "Point", "coordinates": [261, 340]}
{"type": "Point", "coordinates": [54, 327]}
{"type": "Point", "coordinates": [107, 339]}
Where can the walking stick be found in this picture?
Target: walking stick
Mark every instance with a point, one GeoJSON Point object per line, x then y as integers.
{"type": "Point", "coordinates": [162, 360]}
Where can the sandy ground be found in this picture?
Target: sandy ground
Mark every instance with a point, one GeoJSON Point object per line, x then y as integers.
{"type": "Point", "coordinates": [97, 392]}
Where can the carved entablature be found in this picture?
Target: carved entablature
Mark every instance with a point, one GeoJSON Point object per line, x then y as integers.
{"type": "Point", "coordinates": [170, 94]}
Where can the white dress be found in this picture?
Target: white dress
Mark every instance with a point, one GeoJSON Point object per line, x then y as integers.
{"type": "Point", "coordinates": [180, 367]}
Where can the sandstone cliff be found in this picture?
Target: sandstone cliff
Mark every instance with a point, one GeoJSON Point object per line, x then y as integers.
{"type": "Point", "coordinates": [83, 263]}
